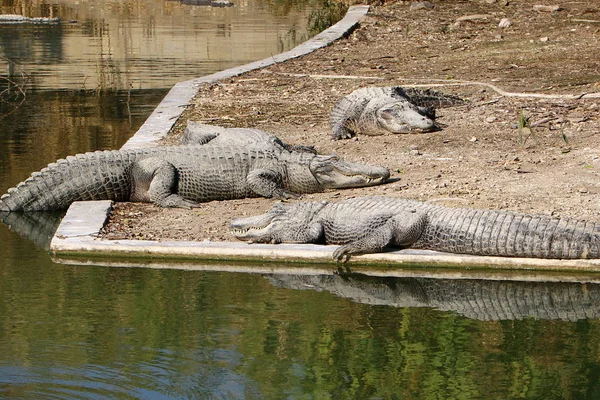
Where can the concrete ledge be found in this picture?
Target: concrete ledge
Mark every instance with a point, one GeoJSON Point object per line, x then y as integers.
{"type": "Point", "coordinates": [166, 113]}
{"type": "Point", "coordinates": [78, 236]}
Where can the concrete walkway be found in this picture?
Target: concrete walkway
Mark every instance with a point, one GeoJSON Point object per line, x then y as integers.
{"type": "Point", "coordinates": [77, 235]}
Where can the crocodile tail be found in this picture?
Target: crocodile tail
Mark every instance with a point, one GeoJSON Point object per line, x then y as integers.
{"type": "Point", "coordinates": [428, 98]}
{"type": "Point", "coordinates": [500, 233]}
{"type": "Point", "coordinates": [100, 175]}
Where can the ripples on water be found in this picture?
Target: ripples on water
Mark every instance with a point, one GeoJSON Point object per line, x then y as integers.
{"type": "Point", "coordinates": [100, 332]}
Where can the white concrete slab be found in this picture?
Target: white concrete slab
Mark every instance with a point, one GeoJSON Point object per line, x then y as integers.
{"type": "Point", "coordinates": [78, 235]}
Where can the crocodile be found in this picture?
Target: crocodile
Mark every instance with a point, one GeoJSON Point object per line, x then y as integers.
{"type": "Point", "coordinates": [183, 176]}
{"type": "Point", "coordinates": [392, 109]}
{"type": "Point", "coordinates": [202, 134]}
{"type": "Point", "coordinates": [479, 299]}
{"type": "Point", "coordinates": [370, 224]}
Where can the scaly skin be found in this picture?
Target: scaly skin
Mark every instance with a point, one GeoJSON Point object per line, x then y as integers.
{"type": "Point", "coordinates": [196, 133]}
{"type": "Point", "coordinates": [370, 224]}
{"type": "Point", "coordinates": [382, 110]}
{"type": "Point", "coordinates": [183, 176]}
{"type": "Point", "coordinates": [485, 300]}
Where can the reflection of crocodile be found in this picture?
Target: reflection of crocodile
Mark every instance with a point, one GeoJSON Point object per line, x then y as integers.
{"type": "Point", "coordinates": [20, 19]}
{"type": "Point", "coordinates": [183, 176]}
{"type": "Point", "coordinates": [477, 299]}
{"type": "Point", "coordinates": [381, 110]}
{"type": "Point", "coordinates": [38, 227]}
{"type": "Point", "coordinates": [369, 224]}
{"type": "Point", "coordinates": [197, 133]}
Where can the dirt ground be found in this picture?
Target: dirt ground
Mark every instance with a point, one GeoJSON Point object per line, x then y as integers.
{"type": "Point", "coordinates": [479, 159]}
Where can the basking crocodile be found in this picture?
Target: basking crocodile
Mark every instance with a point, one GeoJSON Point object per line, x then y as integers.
{"type": "Point", "coordinates": [381, 110]}
{"type": "Point", "coordinates": [484, 300]}
{"type": "Point", "coordinates": [202, 134]}
{"type": "Point", "coordinates": [182, 176]}
{"type": "Point", "coordinates": [369, 224]}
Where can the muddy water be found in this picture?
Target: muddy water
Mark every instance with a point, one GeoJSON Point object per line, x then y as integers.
{"type": "Point", "coordinates": [91, 332]}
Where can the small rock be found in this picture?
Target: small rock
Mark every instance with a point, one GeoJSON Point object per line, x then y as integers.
{"type": "Point", "coordinates": [471, 18]}
{"type": "Point", "coordinates": [473, 139]}
{"type": "Point", "coordinates": [544, 39]}
{"type": "Point", "coordinates": [421, 5]}
{"type": "Point", "coordinates": [504, 23]}
{"type": "Point", "coordinates": [415, 153]}
{"type": "Point", "coordinates": [545, 8]}
{"type": "Point", "coordinates": [490, 119]}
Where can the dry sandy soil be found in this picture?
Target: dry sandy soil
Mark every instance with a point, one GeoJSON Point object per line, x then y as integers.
{"type": "Point", "coordinates": [479, 159]}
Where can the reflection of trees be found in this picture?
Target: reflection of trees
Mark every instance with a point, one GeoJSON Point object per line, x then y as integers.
{"type": "Point", "coordinates": [190, 326]}
{"type": "Point", "coordinates": [13, 87]}
{"type": "Point", "coordinates": [327, 14]}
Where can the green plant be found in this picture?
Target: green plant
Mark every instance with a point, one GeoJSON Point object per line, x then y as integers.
{"type": "Point", "coordinates": [525, 130]}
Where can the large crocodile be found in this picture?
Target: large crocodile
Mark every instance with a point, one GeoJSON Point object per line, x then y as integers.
{"type": "Point", "coordinates": [214, 135]}
{"type": "Point", "coordinates": [183, 176]}
{"type": "Point", "coordinates": [485, 300]}
{"type": "Point", "coordinates": [381, 110]}
{"type": "Point", "coordinates": [370, 224]}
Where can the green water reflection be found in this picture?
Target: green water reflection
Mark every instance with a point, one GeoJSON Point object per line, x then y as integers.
{"type": "Point", "coordinates": [91, 332]}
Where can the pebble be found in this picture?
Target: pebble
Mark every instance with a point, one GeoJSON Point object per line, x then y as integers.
{"type": "Point", "coordinates": [545, 8]}
{"type": "Point", "coordinates": [504, 23]}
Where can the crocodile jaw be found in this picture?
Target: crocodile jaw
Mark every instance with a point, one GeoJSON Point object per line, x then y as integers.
{"type": "Point", "coordinates": [256, 228]}
{"type": "Point", "coordinates": [333, 173]}
{"type": "Point", "coordinates": [404, 117]}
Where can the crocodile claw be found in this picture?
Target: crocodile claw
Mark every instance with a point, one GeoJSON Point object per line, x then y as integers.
{"type": "Point", "coordinates": [342, 254]}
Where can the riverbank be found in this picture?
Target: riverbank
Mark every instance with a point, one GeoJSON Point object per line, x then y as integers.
{"type": "Point", "coordinates": [478, 160]}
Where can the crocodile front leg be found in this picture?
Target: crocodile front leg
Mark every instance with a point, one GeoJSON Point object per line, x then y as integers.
{"type": "Point", "coordinates": [155, 180]}
{"type": "Point", "coordinates": [401, 229]}
{"type": "Point", "coordinates": [268, 183]}
{"type": "Point", "coordinates": [340, 131]}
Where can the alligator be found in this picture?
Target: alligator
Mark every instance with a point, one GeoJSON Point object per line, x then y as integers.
{"type": "Point", "coordinates": [479, 299]}
{"type": "Point", "coordinates": [370, 224]}
{"type": "Point", "coordinates": [202, 134]}
{"type": "Point", "coordinates": [20, 19]}
{"type": "Point", "coordinates": [183, 176]}
{"type": "Point", "coordinates": [393, 109]}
